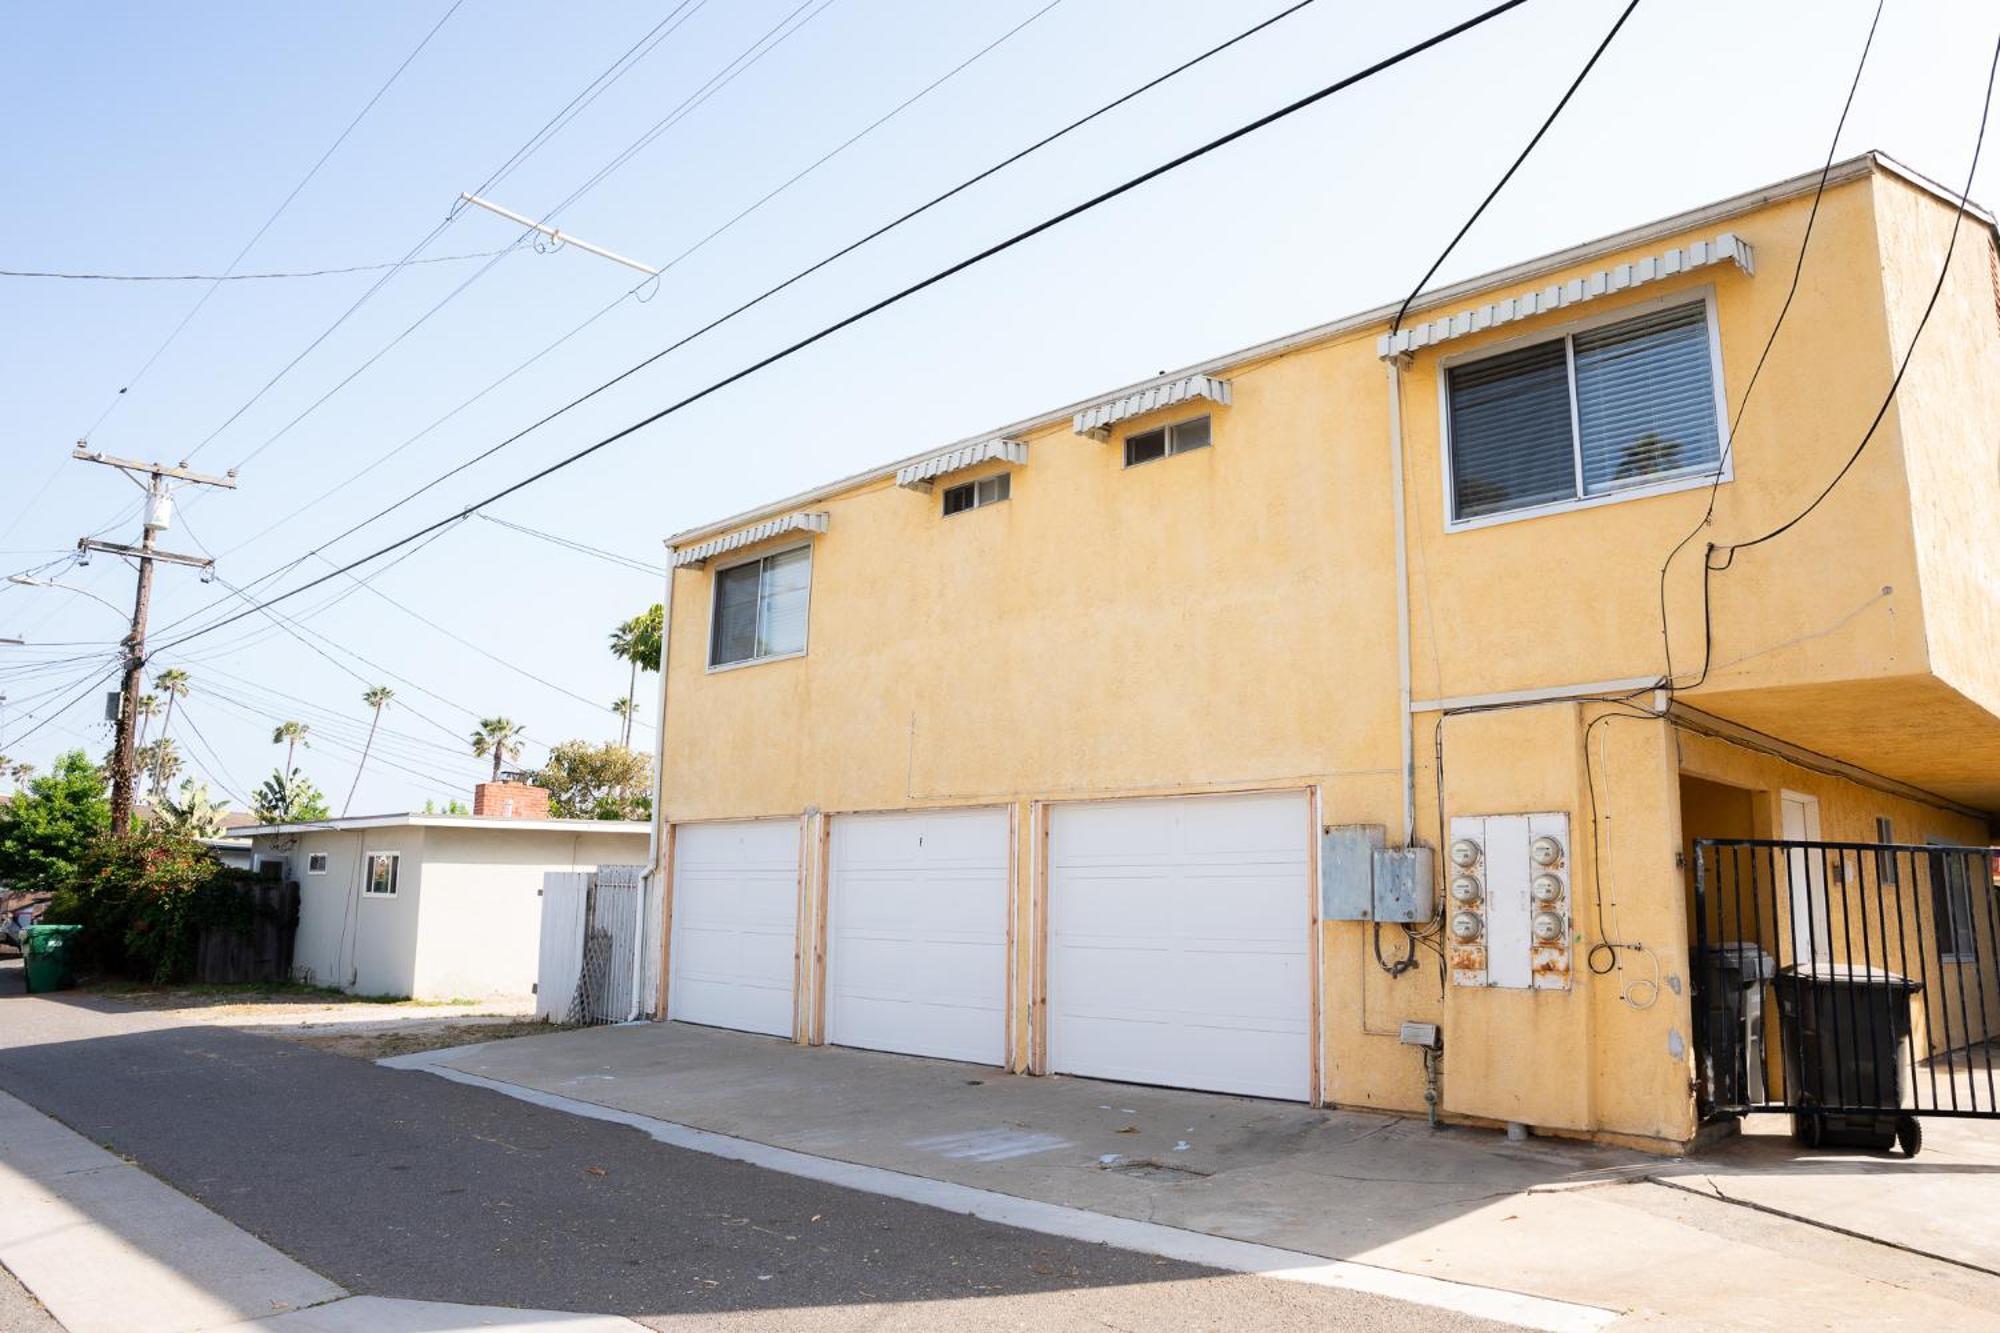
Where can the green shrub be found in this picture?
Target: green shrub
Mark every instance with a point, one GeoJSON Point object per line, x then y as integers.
{"type": "Point", "coordinates": [144, 902]}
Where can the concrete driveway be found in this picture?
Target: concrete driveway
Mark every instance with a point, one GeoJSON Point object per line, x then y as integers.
{"type": "Point", "coordinates": [1751, 1236]}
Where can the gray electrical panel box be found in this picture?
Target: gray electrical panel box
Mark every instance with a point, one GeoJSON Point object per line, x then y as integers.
{"type": "Point", "coordinates": [1347, 871]}
{"type": "Point", "coordinates": [1402, 878]}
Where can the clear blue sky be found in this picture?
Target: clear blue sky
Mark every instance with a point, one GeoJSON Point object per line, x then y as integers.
{"type": "Point", "coordinates": [157, 139]}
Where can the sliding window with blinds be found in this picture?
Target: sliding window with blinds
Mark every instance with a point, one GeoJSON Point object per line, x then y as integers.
{"type": "Point", "coordinates": [760, 608]}
{"type": "Point", "coordinates": [1603, 410]}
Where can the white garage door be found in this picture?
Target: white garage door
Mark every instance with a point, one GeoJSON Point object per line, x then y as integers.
{"type": "Point", "coordinates": [736, 895]}
{"type": "Point", "coordinates": [1179, 932]}
{"type": "Point", "coordinates": [916, 957]}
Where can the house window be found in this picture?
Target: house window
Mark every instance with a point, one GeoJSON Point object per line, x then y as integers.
{"type": "Point", "coordinates": [978, 494]}
{"type": "Point", "coordinates": [381, 882]}
{"type": "Point", "coordinates": [1886, 874]}
{"type": "Point", "coordinates": [1179, 438]}
{"type": "Point", "coordinates": [760, 608]}
{"type": "Point", "coordinates": [1604, 410]}
{"type": "Point", "coordinates": [316, 863]}
{"type": "Point", "coordinates": [1951, 904]}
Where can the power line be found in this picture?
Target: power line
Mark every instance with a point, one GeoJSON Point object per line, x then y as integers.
{"type": "Point", "coordinates": [827, 331]}
{"type": "Point", "coordinates": [283, 204]}
{"type": "Point", "coordinates": [1889, 398]}
{"type": "Point", "coordinates": [715, 84]}
{"type": "Point", "coordinates": [239, 277]}
{"type": "Point", "coordinates": [717, 322]}
{"type": "Point", "coordinates": [1501, 184]}
{"type": "Point", "coordinates": [1750, 387]}
{"type": "Point", "coordinates": [581, 548]}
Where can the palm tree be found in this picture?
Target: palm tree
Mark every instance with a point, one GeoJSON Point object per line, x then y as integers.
{"type": "Point", "coordinates": [162, 760]}
{"type": "Point", "coordinates": [145, 709]}
{"type": "Point", "coordinates": [173, 682]}
{"type": "Point", "coordinates": [377, 698]}
{"type": "Point", "coordinates": [625, 708]}
{"type": "Point", "coordinates": [291, 735]}
{"type": "Point", "coordinates": [22, 772]}
{"type": "Point", "coordinates": [498, 737]}
{"type": "Point", "coordinates": [637, 641]}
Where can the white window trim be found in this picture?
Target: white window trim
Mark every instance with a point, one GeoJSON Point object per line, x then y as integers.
{"type": "Point", "coordinates": [1688, 481]}
{"type": "Point", "coordinates": [972, 508]}
{"type": "Point", "coordinates": [368, 874]}
{"type": "Point", "coordinates": [715, 582]}
{"type": "Point", "coordinates": [1166, 428]}
{"type": "Point", "coordinates": [320, 857]}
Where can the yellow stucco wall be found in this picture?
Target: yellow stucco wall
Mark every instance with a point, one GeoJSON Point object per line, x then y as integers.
{"type": "Point", "coordinates": [1226, 619]}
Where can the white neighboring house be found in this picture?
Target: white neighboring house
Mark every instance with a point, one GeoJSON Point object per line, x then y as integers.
{"type": "Point", "coordinates": [435, 907]}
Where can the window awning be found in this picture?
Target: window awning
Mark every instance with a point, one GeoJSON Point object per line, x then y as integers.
{"type": "Point", "coordinates": [920, 474]}
{"type": "Point", "coordinates": [702, 552]}
{"type": "Point", "coordinates": [1097, 420]}
{"type": "Point", "coordinates": [1726, 248]}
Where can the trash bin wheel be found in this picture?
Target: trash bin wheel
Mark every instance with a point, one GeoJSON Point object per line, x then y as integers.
{"type": "Point", "coordinates": [1808, 1129]}
{"type": "Point", "coordinates": [1909, 1135]}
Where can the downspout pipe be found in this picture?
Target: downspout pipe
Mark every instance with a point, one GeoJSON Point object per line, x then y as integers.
{"type": "Point", "coordinates": [1398, 506]}
{"type": "Point", "coordinates": [656, 827]}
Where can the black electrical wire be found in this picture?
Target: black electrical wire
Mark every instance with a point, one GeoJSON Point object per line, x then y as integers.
{"type": "Point", "coordinates": [716, 323]}
{"type": "Point", "coordinates": [827, 331]}
{"type": "Point", "coordinates": [1750, 387]}
{"type": "Point", "coordinates": [1501, 184]}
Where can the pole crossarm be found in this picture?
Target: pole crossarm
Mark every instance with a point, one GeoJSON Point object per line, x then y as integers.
{"type": "Point", "coordinates": [141, 553]}
{"type": "Point", "coordinates": [84, 454]}
{"type": "Point", "coordinates": [558, 236]}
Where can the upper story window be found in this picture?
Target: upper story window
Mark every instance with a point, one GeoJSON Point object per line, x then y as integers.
{"type": "Point", "coordinates": [1178, 438]}
{"type": "Point", "coordinates": [1605, 410]}
{"type": "Point", "coordinates": [978, 494]}
{"type": "Point", "coordinates": [760, 608]}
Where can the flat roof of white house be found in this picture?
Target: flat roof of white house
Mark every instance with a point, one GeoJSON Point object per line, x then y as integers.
{"type": "Point", "coordinates": [449, 821]}
{"type": "Point", "coordinates": [1839, 173]}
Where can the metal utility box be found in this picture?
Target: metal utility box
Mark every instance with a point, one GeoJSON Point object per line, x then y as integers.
{"type": "Point", "coordinates": [1403, 884]}
{"type": "Point", "coordinates": [1347, 871]}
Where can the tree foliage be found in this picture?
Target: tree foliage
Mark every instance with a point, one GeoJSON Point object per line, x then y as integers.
{"type": "Point", "coordinates": [638, 640]}
{"type": "Point", "coordinates": [195, 814]}
{"type": "Point", "coordinates": [144, 902]}
{"type": "Point", "coordinates": [45, 831]}
{"type": "Point", "coordinates": [499, 737]}
{"type": "Point", "coordinates": [288, 799]}
{"type": "Point", "coordinates": [587, 781]}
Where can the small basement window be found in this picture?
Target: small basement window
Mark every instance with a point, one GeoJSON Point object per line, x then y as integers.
{"type": "Point", "coordinates": [382, 867]}
{"type": "Point", "coordinates": [978, 494]}
{"type": "Point", "coordinates": [316, 863]}
{"type": "Point", "coordinates": [760, 608]}
{"type": "Point", "coordinates": [1179, 438]}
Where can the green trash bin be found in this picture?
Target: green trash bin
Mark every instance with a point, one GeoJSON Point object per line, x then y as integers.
{"type": "Point", "coordinates": [46, 957]}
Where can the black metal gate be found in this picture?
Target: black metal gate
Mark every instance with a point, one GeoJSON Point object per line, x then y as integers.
{"type": "Point", "coordinates": [1852, 985]}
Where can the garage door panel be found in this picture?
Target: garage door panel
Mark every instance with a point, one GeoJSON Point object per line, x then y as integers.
{"type": "Point", "coordinates": [735, 925]}
{"type": "Point", "coordinates": [917, 933]}
{"type": "Point", "coordinates": [1179, 943]}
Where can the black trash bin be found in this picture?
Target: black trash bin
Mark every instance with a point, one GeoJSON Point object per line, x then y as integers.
{"type": "Point", "coordinates": [1733, 1001]}
{"type": "Point", "coordinates": [1847, 1045]}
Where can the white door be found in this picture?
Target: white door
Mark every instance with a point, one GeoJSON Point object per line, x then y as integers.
{"type": "Point", "coordinates": [916, 953]}
{"type": "Point", "coordinates": [1805, 879]}
{"type": "Point", "coordinates": [735, 925]}
{"type": "Point", "coordinates": [1179, 943]}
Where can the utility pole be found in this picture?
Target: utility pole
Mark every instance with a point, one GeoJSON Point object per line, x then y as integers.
{"type": "Point", "coordinates": [159, 513]}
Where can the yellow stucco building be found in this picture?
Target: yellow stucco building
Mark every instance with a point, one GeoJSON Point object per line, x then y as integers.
{"type": "Point", "coordinates": [1068, 747]}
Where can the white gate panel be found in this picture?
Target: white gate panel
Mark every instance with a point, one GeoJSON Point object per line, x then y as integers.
{"type": "Point", "coordinates": [735, 924]}
{"type": "Point", "coordinates": [917, 933]}
{"type": "Point", "coordinates": [1179, 944]}
{"type": "Point", "coordinates": [561, 960]}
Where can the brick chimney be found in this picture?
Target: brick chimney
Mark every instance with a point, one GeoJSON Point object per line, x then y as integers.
{"type": "Point", "coordinates": [510, 800]}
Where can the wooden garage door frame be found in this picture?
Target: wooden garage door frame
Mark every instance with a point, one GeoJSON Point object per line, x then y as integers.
{"type": "Point", "coordinates": [1040, 815]}
{"type": "Point", "coordinates": [667, 872]}
{"type": "Point", "coordinates": [822, 905]}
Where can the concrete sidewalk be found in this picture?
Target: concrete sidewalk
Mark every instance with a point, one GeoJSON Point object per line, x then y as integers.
{"type": "Point", "coordinates": [1565, 1221]}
